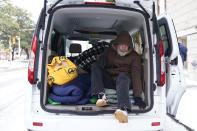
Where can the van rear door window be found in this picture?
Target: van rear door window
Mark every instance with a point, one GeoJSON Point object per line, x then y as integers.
{"type": "Point", "coordinates": [164, 39]}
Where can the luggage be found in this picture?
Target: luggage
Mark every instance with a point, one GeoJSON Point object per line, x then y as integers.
{"type": "Point", "coordinates": [61, 71]}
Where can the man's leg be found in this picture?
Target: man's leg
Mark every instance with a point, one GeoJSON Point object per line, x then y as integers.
{"type": "Point", "coordinates": [97, 84]}
{"type": "Point", "coordinates": [99, 80]}
{"type": "Point", "coordinates": [99, 77]}
{"type": "Point", "coordinates": [124, 104]}
{"type": "Point", "coordinates": [122, 87]}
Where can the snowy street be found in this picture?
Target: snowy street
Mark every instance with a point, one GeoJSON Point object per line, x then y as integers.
{"type": "Point", "coordinates": [13, 82]}
{"type": "Point", "coordinates": [12, 90]}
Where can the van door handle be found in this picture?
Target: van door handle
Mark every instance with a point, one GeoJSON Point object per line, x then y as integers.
{"type": "Point", "coordinates": [174, 61]}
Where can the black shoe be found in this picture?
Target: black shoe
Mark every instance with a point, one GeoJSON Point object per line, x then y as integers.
{"type": "Point", "coordinates": [138, 101]}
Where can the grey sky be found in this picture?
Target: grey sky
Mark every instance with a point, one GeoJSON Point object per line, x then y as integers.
{"type": "Point", "coordinates": [33, 6]}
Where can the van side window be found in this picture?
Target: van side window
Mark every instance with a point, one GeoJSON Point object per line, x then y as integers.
{"type": "Point", "coordinates": [54, 37]}
{"type": "Point", "coordinates": [165, 40]}
{"type": "Point", "coordinates": [85, 45]}
{"type": "Point", "coordinates": [61, 46]}
{"type": "Point", "coordinates": [68, 42]}
{"type": "Point", "coordinates": [137, 40]}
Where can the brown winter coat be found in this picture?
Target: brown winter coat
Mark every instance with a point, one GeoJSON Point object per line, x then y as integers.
{"type": "Point", "coordinates": [129, 64]}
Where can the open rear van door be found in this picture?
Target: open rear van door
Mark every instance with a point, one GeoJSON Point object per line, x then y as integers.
{"type": "Point", "coordinates": [175, 85]}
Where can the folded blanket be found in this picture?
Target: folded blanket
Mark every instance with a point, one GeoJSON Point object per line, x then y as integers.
{"type": "Point", "coordinates": [75, 92]}
{"type": "Point", "coordinates": [113, 92]}
{"type": "Point", "coordinates": [112, 96]}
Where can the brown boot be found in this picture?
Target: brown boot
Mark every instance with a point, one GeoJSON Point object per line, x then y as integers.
{"type": "Point", "coordinates": [121, 115]}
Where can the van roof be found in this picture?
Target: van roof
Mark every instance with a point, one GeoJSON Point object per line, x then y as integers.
{"type": "Point", "coordinates": [147, 4]}
{"type": "Point", "coordinates": [80, 20]}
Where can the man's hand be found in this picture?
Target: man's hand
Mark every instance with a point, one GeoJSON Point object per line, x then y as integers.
{"type": "Point", "coordinates": [139, 102]}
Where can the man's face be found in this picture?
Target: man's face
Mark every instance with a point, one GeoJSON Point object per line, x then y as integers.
{"type": "Point", "coordinates": [123, 48]}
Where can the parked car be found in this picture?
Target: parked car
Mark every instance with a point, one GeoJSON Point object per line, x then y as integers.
{"type": "Point", "coordinates": [90, 24]}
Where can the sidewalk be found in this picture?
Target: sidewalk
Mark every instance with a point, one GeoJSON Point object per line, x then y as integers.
{"type": "Point", "coordinates": [6, 65]}
{"type": "Point", "coordinates": [188, 81]}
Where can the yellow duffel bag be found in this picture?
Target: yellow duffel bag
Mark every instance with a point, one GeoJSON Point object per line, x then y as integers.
{"type": "Point", "coordinates": [61, 71]}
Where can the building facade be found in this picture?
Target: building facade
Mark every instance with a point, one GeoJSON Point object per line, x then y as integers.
{"type": "Point", "coordinates": [184, 15]}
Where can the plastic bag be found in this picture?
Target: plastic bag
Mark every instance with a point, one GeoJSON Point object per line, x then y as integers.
{"type": "Point", "coordinates": [61, 71]}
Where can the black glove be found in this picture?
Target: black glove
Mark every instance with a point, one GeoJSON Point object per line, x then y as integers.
{"type": "Point", "coordinates": [139, 102]}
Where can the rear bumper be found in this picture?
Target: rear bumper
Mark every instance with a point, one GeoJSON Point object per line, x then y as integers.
{"type": "Point", "coordinates": [88, 123]}
{"type": "Point", "coordinates": [63, 122]}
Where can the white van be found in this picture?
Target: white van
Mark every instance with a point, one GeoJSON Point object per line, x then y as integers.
{"type": "Point", "coordinates": [62, 23]}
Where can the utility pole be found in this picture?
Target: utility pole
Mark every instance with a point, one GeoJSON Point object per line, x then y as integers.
{"type": "Point", "coordinates": [10, 49]}
{"type": "Point", "coordinates": [19, 45]}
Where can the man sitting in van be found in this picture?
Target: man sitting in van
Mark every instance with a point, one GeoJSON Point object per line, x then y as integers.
{"type": "Point", "coordinates": [119, 68]}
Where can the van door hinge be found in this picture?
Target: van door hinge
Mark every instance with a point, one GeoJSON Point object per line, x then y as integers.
{"type": "Point", "coordinates": [174, 61]}
{"type": "Point", "coordinates": [154, 87]}
{"type": "Point", "coordinates": [43, 47]}
{"type": "Point", "coordinates": [39, 85]}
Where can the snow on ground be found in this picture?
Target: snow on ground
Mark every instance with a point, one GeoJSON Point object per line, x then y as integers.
{"type": "Point", "coordinates": [188, 108]}
{"type": "Point", "coordinates": [171, 125]}
{"type": "Point", "coordinates": [12, 117]}
{"type": "Point", "coordinates": [186, 113]}
{"type": "Point", "coordinates": [9, 65]}
{"type": "Point", "coordinates": [189, 82]}
{"type": "Point", "coordinates": [12, 85]}
{"type": "Point", "coordinates": [13, 82]}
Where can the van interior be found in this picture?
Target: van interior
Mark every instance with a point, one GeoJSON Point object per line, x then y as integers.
{"type": "Point", "coordinates": [74, 31]}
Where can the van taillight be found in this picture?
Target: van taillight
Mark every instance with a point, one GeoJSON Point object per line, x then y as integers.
{"type": "Point", "coordinates": [162, 63]}
{"type": "Point", "coordinates": [37, 124]}
{"type": "Point", "coordinates": [32, 60]}
{"type": "Point", "coordinates": [100, 3]}
{"type": "Point", "coordinates": [155, 124]}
